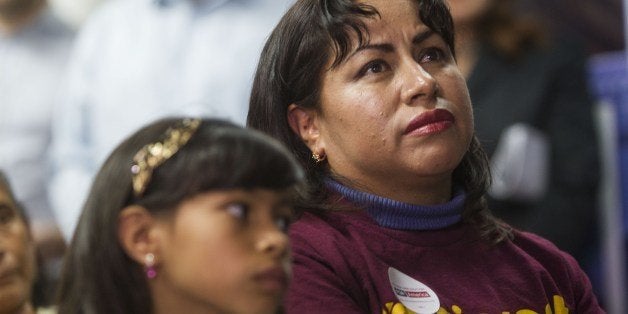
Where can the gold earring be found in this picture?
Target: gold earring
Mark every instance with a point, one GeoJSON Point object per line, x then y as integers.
{"type": "Point", "coordinates": [318, 158]}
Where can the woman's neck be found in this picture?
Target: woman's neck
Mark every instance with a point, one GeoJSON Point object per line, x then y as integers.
{"type": "Point", "coordinates": [429, 191]}
{"type": "Point", "coordinates": [399, 215]}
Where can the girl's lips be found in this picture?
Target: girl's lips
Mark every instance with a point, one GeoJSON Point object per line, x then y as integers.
{"type": "Point", "coordinates": [430, 121]}
{"type": "Point", "coordinates": [274, 279]}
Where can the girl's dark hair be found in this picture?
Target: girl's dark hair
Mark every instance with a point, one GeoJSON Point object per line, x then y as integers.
{"type": "Point", "coordinates": [290, 71]}
{"type": "Point", "coordinates": [98, 276]}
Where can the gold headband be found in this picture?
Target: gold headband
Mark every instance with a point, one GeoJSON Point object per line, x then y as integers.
{"type": "Point", "coordinates": [155, 154]}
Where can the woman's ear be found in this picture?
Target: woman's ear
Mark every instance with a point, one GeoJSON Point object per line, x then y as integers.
{"type": "Point", "coordinates": [304, 122]}
{"type": "Point", "coordinates": [135, 232]}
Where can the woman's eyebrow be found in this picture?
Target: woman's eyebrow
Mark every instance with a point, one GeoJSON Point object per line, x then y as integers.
{"type": "Point", "coordinates": [387, 47]}
{"type": "Point", "coordinates": [422, 36]}
{"type": "Point", "coordinates": [384, 47]}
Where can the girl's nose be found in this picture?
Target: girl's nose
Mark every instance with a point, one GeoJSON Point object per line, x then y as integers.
{"type": "Point", "coordinates": [273, 241]}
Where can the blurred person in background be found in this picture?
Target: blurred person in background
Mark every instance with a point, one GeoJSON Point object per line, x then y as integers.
{"type": "Point", "coordinates": [138, 60]}
{"type": "Point", "coordinates": [22, 291]}
{"type": "Point", "coordinates": [597, 24]}
{"type": "Point", "coordinates": [533, 115]}
{"type": "Point", "coordinates": [34, 47]}
{"type": "Point", "coordinates": [74, 12]}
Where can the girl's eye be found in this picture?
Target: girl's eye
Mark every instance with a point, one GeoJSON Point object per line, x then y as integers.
{"type": "Point", "coordinates": [283, 222]}
{"type": "Point", "coordinates": [238, 210]}
{"type": "Point", "coordinates": [373, 67]}
{"type": "Point", "coordinates": [432, 55]}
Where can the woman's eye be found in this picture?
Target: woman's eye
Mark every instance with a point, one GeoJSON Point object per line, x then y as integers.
{"type": "Point", "coordinates": [373, 67]}
{"type": "Point", "coordinates": [432, 55]}
{"type": "Point", "coordinates": [238, 210]}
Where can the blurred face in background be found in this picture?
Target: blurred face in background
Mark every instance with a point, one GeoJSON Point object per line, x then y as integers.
{"type": "Point", "coordinates": [17, 257]}
{"type": "Point", "coordinates": [11, 8]}
{"type": "Point", "coordinates": [467, 11]}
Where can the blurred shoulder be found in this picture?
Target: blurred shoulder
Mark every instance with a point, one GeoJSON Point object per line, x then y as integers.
{"type": "Point", "coordinates": [545, 252]}
{"type": "Point", "coordinates": [46, 310]}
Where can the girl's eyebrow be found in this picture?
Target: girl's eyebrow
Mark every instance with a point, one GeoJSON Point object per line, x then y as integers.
{"type": "Point", "coordinates": [387, 47]}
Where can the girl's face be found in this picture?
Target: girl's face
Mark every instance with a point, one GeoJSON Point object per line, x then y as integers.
{"type": "Point", "coordinates": [17, 257]}
{"type": "Point", "coordinates": [226, 251]}
{"type": "Point", "coordinates": [396, 115]}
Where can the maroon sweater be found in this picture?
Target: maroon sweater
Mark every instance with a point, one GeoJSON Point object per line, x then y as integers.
{"type": "Point", "coordinates": [341, 262]}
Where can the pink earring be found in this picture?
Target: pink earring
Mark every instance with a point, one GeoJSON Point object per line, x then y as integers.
{"type": "Point", "coordinates": [149, 266]}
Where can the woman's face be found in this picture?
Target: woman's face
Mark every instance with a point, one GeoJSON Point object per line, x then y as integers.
{"type": "Point", "coordinates": [396, 115]}
{"type": "Point", "coordinates": [227, 252]}
{"type": "Point", "coordinates": [17, 257]}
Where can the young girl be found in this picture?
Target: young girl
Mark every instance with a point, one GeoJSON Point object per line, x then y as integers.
{"type": "Point", "coordinates": [368, 96]}
{"type": "Point", "coordinates": [185, 216]}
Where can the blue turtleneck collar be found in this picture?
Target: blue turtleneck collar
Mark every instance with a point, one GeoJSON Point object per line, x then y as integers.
{"type": "Point", "coordinates": [398, 215]}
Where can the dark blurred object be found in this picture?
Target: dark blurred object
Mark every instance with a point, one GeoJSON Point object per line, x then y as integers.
{"type": "Point", "coordinates": [598, 24]}
{"type": "Point", "coordinates": [608, 78]}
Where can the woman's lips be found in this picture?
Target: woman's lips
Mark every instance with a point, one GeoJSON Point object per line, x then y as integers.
{"type": "Point", "coordinates": [430, 122]}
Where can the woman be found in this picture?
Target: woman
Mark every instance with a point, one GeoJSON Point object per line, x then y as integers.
{"type": "Point", "coordinates": [368, 96]}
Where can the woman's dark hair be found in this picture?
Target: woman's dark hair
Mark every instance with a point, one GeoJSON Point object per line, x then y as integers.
{"type": "Point", "coordinates": [290, 71]}
{"type": "Point", "coordinates": [98, 276]}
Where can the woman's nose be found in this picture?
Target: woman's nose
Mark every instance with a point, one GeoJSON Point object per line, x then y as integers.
{"type": "Point", "coordinates": [417, 83]}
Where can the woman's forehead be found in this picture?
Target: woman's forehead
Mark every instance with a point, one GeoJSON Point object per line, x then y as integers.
{"type": "Point", "coordinates": [400, 13]}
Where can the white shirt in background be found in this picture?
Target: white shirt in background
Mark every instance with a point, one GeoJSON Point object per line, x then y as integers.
{"type": "Point", "coordinates": [32, 63]}
{"type": "Point", "coordinates": [139, 60]}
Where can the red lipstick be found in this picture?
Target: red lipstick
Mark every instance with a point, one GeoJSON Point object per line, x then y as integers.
{"type": "Point", "coordinates": [430, 122]}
